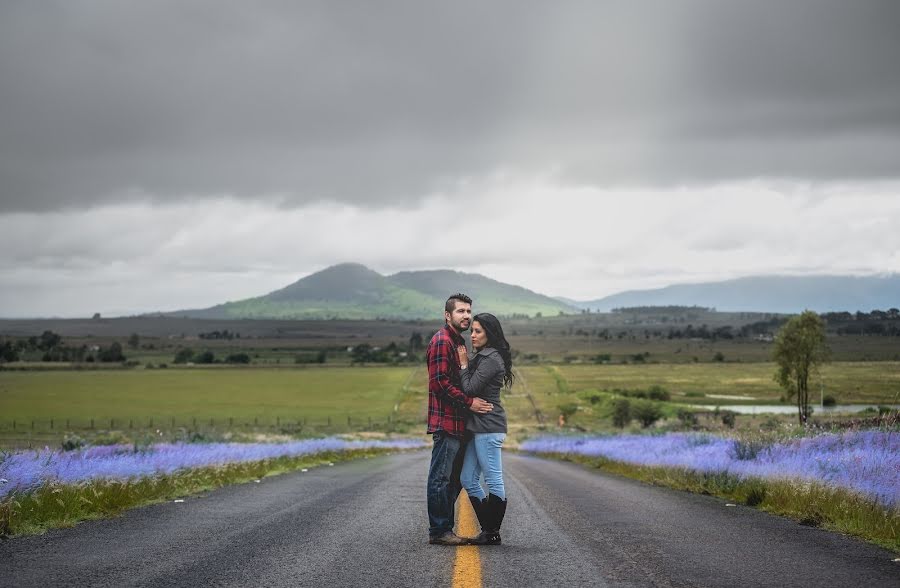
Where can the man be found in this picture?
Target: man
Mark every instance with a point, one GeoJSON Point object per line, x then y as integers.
{"type": "Point", "coordinates": [446, 420]}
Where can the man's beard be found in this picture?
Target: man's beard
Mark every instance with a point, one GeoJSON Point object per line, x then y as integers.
{"type": "Point", "coordinates": [458, 326]}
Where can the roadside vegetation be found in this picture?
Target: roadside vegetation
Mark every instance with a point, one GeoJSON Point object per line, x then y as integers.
{"type": "Point", "coordinates": [57, 488]}
{"type": "Point", "coordinates": [844, 482]}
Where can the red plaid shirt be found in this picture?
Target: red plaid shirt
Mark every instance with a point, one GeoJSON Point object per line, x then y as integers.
{"type": "Point", "coordinates": [446, 400]}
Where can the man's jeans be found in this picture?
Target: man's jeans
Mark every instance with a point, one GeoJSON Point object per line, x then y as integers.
{"type": "Point", "coordinates": [483, 456]}
{"type": "Point", "coordinates": [443, 483]}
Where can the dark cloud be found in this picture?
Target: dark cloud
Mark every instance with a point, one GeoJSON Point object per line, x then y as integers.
{"type": "Point", "coordinates": [382, 103]}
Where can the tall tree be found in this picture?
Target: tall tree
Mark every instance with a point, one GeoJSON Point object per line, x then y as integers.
{"type": "Point", "coordinates": [799, 350]}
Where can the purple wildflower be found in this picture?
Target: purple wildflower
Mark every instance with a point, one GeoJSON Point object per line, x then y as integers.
{"type": "Point", "coordinates": [27, 470]}
{"type": "Point", "coordinates": [867, 462]}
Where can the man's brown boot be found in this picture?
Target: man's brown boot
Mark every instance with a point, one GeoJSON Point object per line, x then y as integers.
{"type": "Point", "coordinates": [448, 538]}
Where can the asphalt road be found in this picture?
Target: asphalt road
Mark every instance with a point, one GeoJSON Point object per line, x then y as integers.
{"type": "Point", "coordinates": [363, 523]}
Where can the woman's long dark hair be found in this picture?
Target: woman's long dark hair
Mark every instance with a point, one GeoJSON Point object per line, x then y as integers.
{"type": "Point", "coordinates": [497, 340]}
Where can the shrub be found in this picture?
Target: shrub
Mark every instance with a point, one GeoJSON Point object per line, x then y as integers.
{"type": "Point", "coordinates": [72, 442]}
{"type": "Point", "coordinates": [829, 401]}
{"type": "Point", "coordinates": [593, 397]}
{"type": "Point", "coordinates": [719, 356]}
{"type": "Point", "coordinates": [113, 353]}
{"type": "Point", "coordinates": [568, 409]}
{"type": "Point", "coordinates": [658, 393]}
{"type": "Point", "coordinates": [755, 494]}
{"type": "Point", "coordinates": [621, 412]}
{"type": "Point", "coordinates": [206, 357]}
{"type": "Point", "coordinates": [184, 355]}
{"type": "Point", "coordinates": [238, 358]}
{"type": "Point", "coordinates": [770, 424]}
{"type": "Point", "coordinates": [646, 411]}
{"type": "Point", "coordinates": [746, 449]}
{"type": "Point", "coordinates": [687, 417]}
{"type": "Point", "coordinates": [728, 418]}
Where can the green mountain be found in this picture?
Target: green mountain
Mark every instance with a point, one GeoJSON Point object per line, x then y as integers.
{"type": "Point", "coordinates": [353, 291]}
{"type": "Point", "coordinates": [488, 295]}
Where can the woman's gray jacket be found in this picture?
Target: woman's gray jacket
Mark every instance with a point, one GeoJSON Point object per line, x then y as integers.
{"type": "Point", "coordinates": [484, 378]}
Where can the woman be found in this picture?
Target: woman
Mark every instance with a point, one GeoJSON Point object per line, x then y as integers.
{"type": "Point", "coordinates": [489, 370]}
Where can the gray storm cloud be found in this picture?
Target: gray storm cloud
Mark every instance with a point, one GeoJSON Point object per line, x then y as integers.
{"type": "Point", "coordinates": [375, 104]}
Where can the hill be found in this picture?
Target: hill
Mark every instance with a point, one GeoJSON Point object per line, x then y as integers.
{"type": "Point", "coordinates": [489, 295]}
{"type": "Point", "coordinates": [353, 291]}
{"type": "Point", "coordinates": [779, 294]}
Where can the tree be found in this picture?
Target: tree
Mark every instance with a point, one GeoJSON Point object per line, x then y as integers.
{"type": "Point", "coordinates": [799, 350]}
{"type": "Point", "coordinates": [8, 352]}
{"type": "Point", "coordinates": [134, 340]}
{"type": "Point", "coordinates": [646, 411]}
{"type": "Point", "coordinates": [621, 412]}
{"type": "Point", "coordinates": [112, 353]}
{"type": "Point", "coordinates": [48, 341]}
{"type": "Point", "coordinates": [361, 353]}
{"type": "Point", "coordinates": [566, 411]}
{"type": "Point", "coordinates": [184, 355]}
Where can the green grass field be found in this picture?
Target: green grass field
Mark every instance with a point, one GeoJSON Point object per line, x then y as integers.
{"type": "Point", "coordinates": [217, 393]}
{"type": "Point", "coordinates": [847, 382]}
{"type": "Point", "coordinates": [45, 404]}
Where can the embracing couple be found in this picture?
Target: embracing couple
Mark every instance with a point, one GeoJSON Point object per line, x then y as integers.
{"type": "Point", "coordinates": [467, 422]}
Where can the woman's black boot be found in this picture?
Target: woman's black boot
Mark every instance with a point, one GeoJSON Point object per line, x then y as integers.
{"type": "Point", "coordinates": [496, 509]}
{"type": "Point", "coordinates": [480, 506]}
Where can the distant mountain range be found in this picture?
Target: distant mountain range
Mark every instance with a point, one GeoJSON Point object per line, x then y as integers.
{"type": "Point", "coordinates": [353, 291]}
{"type": "Point", "coordinates": [779, 294]}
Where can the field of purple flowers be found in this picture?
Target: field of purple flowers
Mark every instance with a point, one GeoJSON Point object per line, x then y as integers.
{"type": "Point", "coordinates": [25, 471]}
{"type": "Point", "coordinates": [864, 462]}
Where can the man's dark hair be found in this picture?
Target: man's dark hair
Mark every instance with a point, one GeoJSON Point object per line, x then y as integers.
{"type": "Point", "coordinates": [450, 306]}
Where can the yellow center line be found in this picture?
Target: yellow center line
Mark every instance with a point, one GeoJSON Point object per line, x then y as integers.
{"type": "Point", "coordinates": [467, 567]}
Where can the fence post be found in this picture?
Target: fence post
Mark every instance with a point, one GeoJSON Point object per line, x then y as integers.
{"type": "Point", "coordinates": [130, 423]}
{"type": "Point", "coordinates": [32, 425]}
{"type": "Point", "coordinates": [255, 421]}
{"type": "Point", "coordinates": [151, 424]}
{"type": "Point", "coordinates": [329, 421]}
{"type": "Point", "coordinates": [348, 420]}
{"type": "Point", "coordinates": [230, 421]}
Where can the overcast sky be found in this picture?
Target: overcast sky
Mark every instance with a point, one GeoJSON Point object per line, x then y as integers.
{"type": "Point", "coordinates": [166, 155]}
